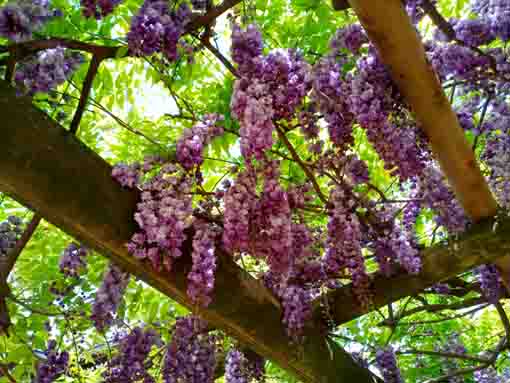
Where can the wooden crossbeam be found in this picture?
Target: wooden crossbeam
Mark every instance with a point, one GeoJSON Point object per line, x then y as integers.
{"type": "Point", "coordinates": [49, 170]}
{"type": "Point", "coordinates": [485, 242]}
{"type": "Point", "coordinates": [397, 41]}
{"type": "Point", "coordinates": [390, 29]}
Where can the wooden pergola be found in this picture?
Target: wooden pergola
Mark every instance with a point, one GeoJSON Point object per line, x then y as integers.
{"type": "Point", "coordinates": [49, 170]}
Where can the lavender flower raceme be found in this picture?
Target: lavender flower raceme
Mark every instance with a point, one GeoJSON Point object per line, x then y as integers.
{"type": "Point", "coordinates": [131, 364]}
{"type": "Point", "coordinates": [191, 354]}
{"type": "Point", "coordinates": [330, 92]}
{"type": "Point", "coordinates": [201, 276]}
{"type": "Point", "coordinates": [297, 306]}
{"type": "Point", "coordinates": [387, 363]}
{"type": "Point", "coordinates": [72, 260]}
{"type": "Point", "coordinates": [344, 243]}
{"type": "Point", "coordinates": [269, 88]}
{"type": "Point", "coordinates": [10, 231]}
{"type": "Point", "coordinates": [272, 223]}
{"type": "Point", "coordinates": [488, 375]}
{"type": "Point", "coordinates": [163, 214]}
{"type": "Point", "coordinates": [241, 369]}
{"type": "Point", "coordinates": [20, 18]}
{"type": "Point", "coordinates": [109, 296]}
{"type": "Point", "coordinates": [491, 282]}
{"type": "Point", "coordinates": [350, 38]}
{"type": "Point", "coordinates": [240, 201]}
{"type": "Point", "coordinates": [191, 145]}
{"type": "Point", "coordinates": [54, 366]}
{"type": "Point", "coordinates": [373, 97]}
{"type": "Point", "coordinates": [498, 13]}
{"type": "Point", "coordinates": [157, 28]}
{"type": "Point", "coordinates": [436, 195]}
{"type": "Point", "coordinates": [98, 8]}
{"type": "Point", "coordinates": [46, 70]}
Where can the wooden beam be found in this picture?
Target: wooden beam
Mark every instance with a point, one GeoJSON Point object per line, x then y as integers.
{"type": "Point", "coordinates": [485, 242]}
{"type": "Point", "coordinates": [390, 29]}
{"type": "Point", "coordinates": [49, 170]}
{"type": "Point", "coordinates": [401, 49]}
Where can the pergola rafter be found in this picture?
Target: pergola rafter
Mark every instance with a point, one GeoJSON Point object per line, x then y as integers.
{"type": "Point", "coordinates": [399, 44]}
{"type": "Point", "coordinates": [49, 170]}
{"type": "Point", "coordinates": [485, 242]}
{"type": "Point", "coordinates": [401, 49]}
{"type": "Point", "coordinates": [391, 31]}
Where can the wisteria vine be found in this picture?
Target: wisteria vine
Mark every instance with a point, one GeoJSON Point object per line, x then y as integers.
{"type": "Point", "coordinates": [258, 213]}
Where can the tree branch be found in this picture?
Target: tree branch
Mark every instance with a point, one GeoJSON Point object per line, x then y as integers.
{"type": "Point", "coordinates": [6, 266]}
{"type": "Point", "coordinates": [297, 159]}
{"type": "Point", "coordinates": [340, 5]}
{"type": "Point", "coordinates": [21, 50]}
{"type": "Point", "coordinates": [34, 310]}
{"type": "Point", "coordinates": [206, 43]}
{"type": "Point", "coordinates": [504, 318]}
{"type": "Point", "coordinates": [446, 318]}
{"type": "Point", "coordinates": [10, 68]}
{"type": "Point", "coordinates": [390, 29]}
{"type": "Point", "coordinates": [462, 371]}
{"type": "Point", "coordinates": [440, 307]}
{"type": "Point", "coordinates": [482, 117]}
{"type": "Point", "coordinates": [452, 355]}
{"type": "Point", "coordinates": [85, 92]}
{"type": "Point", "coordinates": [210, 16]}
{"type": "Point", "coordinates": [396, 39]}
{"type": "Point", "coordinates": [500, 347]}
{"type": "Point", "coordinates": [117, 119]}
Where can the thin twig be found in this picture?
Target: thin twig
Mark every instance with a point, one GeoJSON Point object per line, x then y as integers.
{"type": "Point", "coordinates": [303, 166]}
{"type": "Point", "coordinates": [501, 346]}
{"type": "Point", "coordinates": [117, 119]}
{"type": "Point", "coordinates": [482, 117]}
{"type": "Point", "coordinates": [180, 116]}
{"type": "Point", "coordinates": [463, 371]}
{"type": "Point", "coordinates": [124, 124]}
{"type": "Point", "coordinates": [9, 70]}
{"type": "Point", "coordinates": [34, 310]}
{"type": "Point", "coordinates": [452, 94]}
{"type": "Point", "coordinates": [206, 43]}
{"type": "Point", "coordinates": [452, 355]}
{"type": "Point", "coordinates": [504, 318]}
{"type": "Point", "coordinates": [444, 319]}
{"type": "Point", "coordinates": [212, 15]}
{"type": "Point", "coordinates": [439, 307]}
{"type": "Point", "coordinates": [21, 50]}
